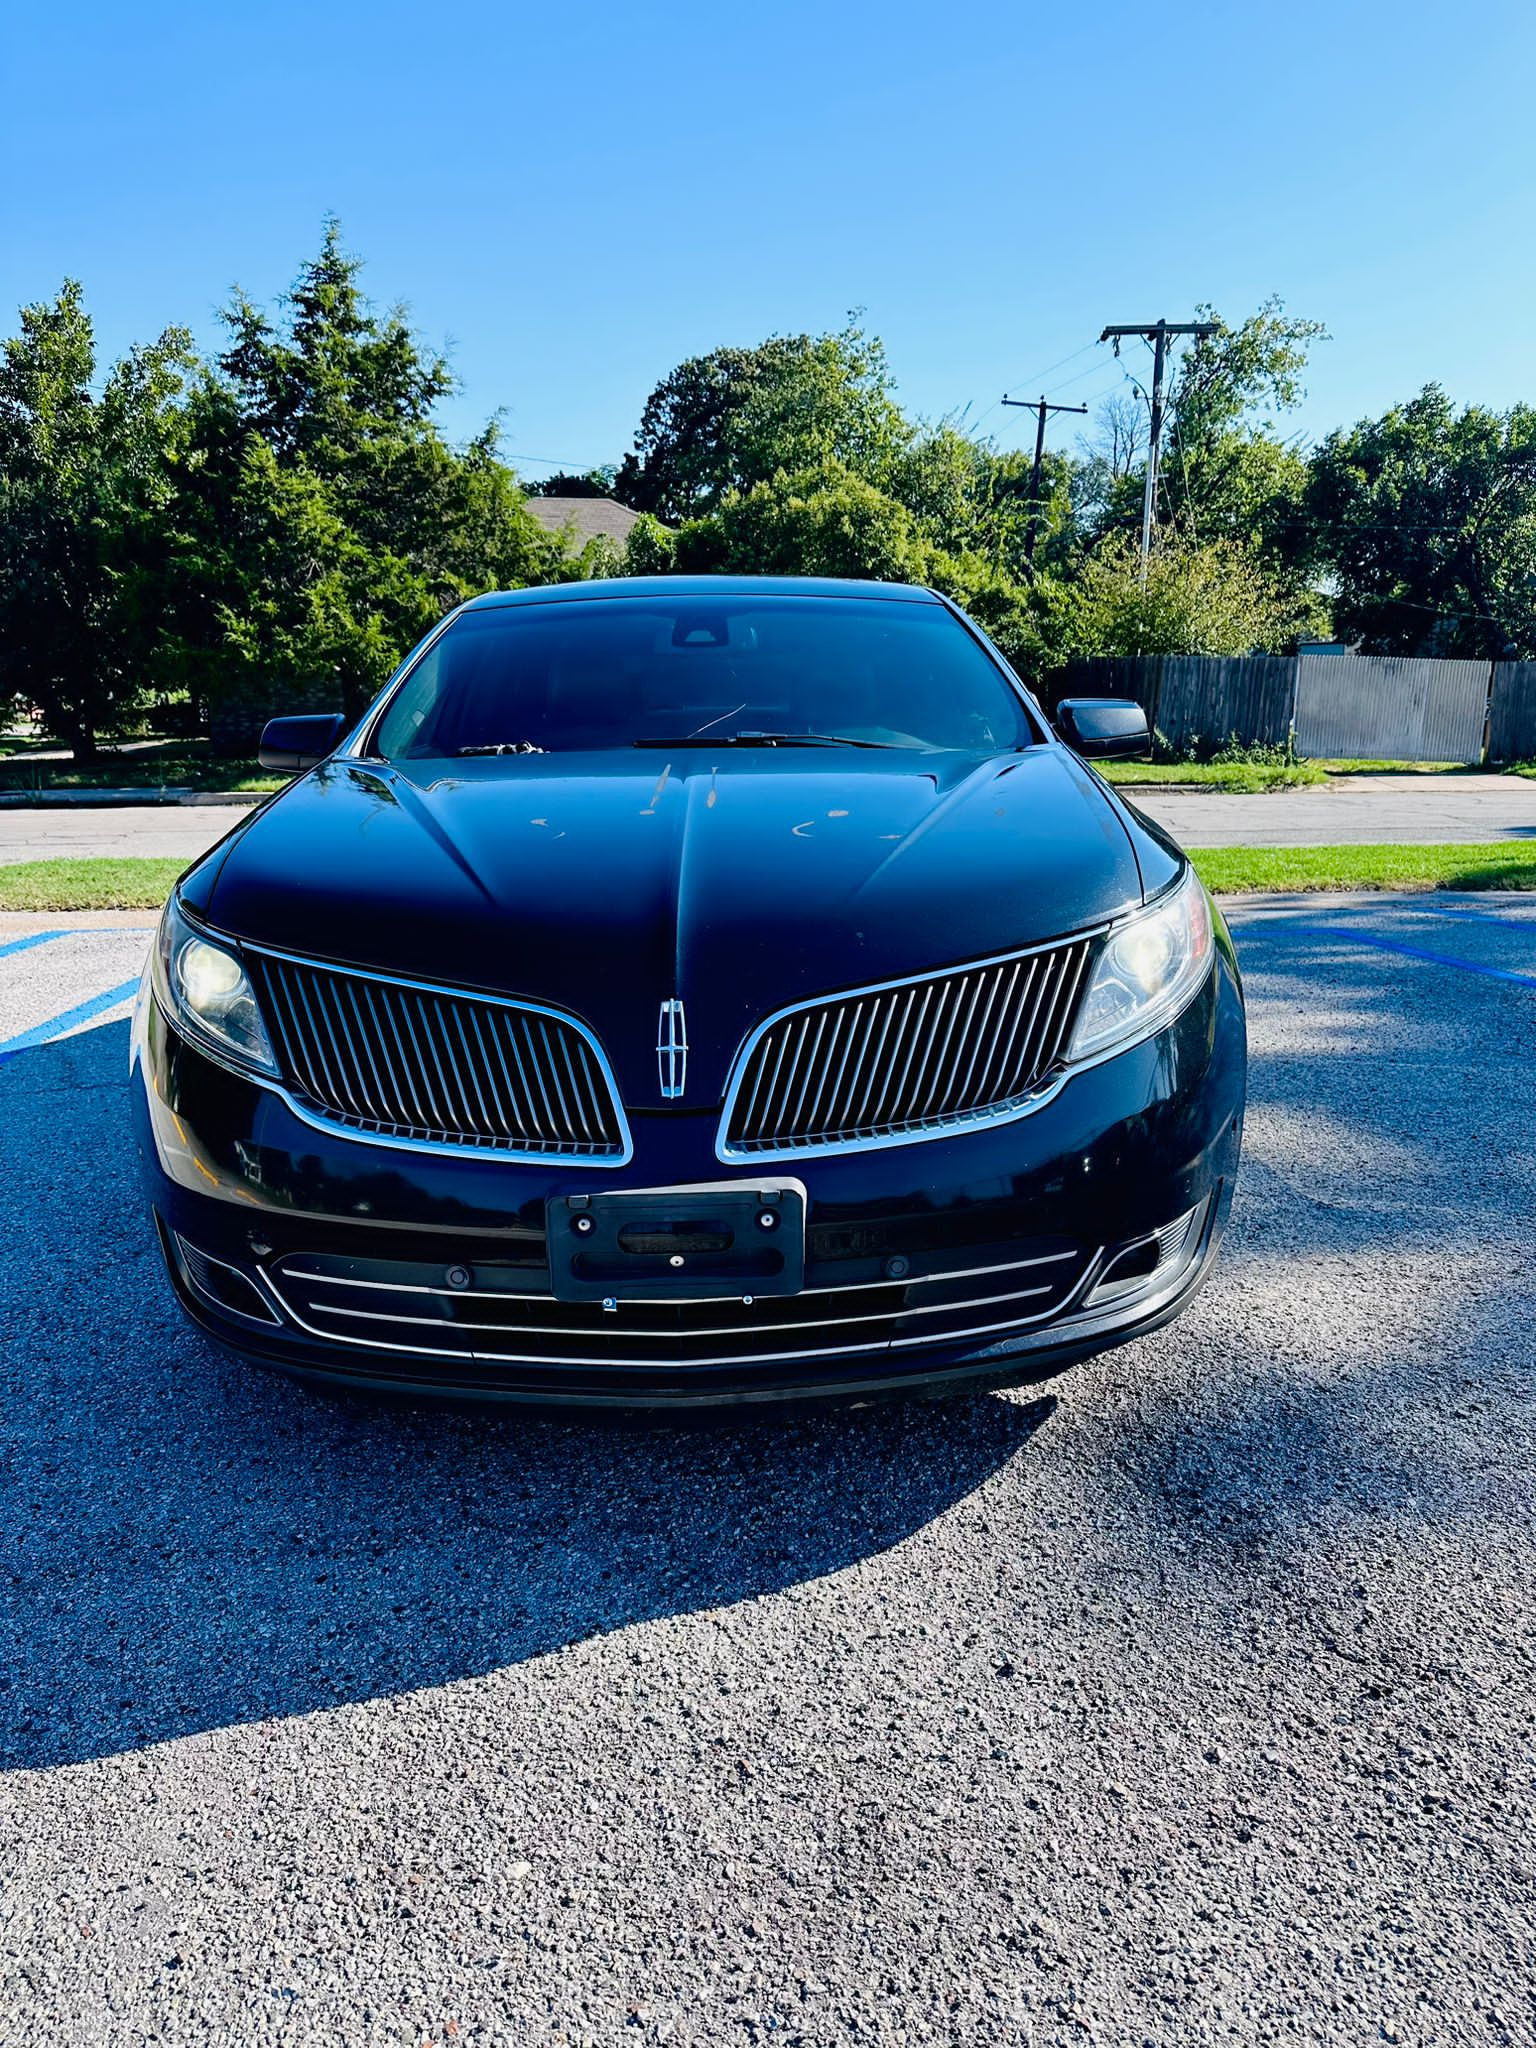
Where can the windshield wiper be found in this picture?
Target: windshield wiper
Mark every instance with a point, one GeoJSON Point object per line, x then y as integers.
{"type": "Point", "coordinates": [761, 739]}
{"type": "Point", "coordinates": [501, 747]}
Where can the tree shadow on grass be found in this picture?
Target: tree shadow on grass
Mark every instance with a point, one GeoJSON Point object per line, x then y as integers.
{"type": "Point", "coordinates": [193, 1543]}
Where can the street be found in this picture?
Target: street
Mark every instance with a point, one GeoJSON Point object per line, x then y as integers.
{"type": "Point", "coordinates": [1404, 810]}
{"type": "Point", "coordinates": [1190, 1702]}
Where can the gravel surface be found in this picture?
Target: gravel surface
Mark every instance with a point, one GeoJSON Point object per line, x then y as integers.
{"type": "Point", "coordinates": [1193, 1706]}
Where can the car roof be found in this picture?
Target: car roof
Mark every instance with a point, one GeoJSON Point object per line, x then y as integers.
{"type": "Point", "coordinates": [703, 586]}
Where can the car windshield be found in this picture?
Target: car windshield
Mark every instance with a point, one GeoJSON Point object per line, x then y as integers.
{"type": "Point", "coordinates": [734, 670]}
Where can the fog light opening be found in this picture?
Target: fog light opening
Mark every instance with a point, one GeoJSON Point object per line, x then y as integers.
{"type": "Point", "coordinates": [1130, 1268]}
{"type": "Point", "coordinates": [228, 1289]}
{"type": "Point", "coordinates": [1140, 1262]}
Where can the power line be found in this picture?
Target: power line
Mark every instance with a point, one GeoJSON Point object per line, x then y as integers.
{"type": "Point", "coordinates": [1157, 333]}
{"type": "Point", "coordinates": [1066, 383]}
{"type": "Point", "coordinates": [1092, 397]}
{"type": "Point", "coordinates": [1037, 377]}
{"type": "Point", "coordinates": [555, 462]}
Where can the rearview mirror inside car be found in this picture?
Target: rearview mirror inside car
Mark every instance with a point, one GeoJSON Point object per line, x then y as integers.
{"type": "Point", "coordinates": [290, 745]}
{"type": "Point", "coordinates": [1103, 728]}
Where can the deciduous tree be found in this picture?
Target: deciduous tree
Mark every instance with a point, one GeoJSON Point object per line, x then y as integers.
{"type": "Point", "coordinates": [1212, 597]}
{"type": "Point", "coordinates": [1426, 521]}
{"type": "Point", "coordinates": [732, 419]}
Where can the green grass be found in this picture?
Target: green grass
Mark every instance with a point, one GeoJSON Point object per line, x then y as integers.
{"type": "Point", "coordinates": [145, 884]}
{"type": "Point", "coordinates": [1506, 864]}
{"type": "Point", "coordinates": [87, 884]}
{"type": "Point", "coordinates": [177, 764]}
{"type": "Point", "coordinates": [1238, 778]}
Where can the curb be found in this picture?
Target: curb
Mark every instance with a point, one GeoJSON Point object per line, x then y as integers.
{"type": "Point", "coordinates": [87, 799]}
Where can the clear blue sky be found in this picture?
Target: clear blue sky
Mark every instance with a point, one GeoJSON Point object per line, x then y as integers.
{"type": "Point", "coordinates": [573, 199]}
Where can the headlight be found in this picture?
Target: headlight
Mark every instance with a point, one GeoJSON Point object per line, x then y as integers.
{"type": "Point", "coordinates": [1150, 967]}
{"type": "Point", "coordinates": [207, 993]}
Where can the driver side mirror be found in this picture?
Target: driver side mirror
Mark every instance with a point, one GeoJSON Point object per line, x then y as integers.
{"type": "Point", "coordinates": [1103, 728]}
{"type": "Point", "coordinates": [290, 745]}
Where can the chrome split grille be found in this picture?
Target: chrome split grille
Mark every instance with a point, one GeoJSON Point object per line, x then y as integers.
{"type": "Point", "coordinates": [916, 1057]}
{"type": "Point", "coordinates": [438, 1066]}
{"type": "Point", "coordinates": [505, 1317]}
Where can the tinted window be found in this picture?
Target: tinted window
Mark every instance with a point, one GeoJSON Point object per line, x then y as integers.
{"type": "Point", "coordinates": [619, 672]}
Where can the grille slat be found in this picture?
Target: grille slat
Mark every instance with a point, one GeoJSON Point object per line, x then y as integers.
{"type": "Point", "coordinates": [888, 1079]}
{"type": "Point", "coordinates": [565, 1080]}
{"type": "Point", "coordinates": [408, 1074]}
{"type": "Point", "coordinates": [361, 1036]}
{"type": "Point", "coordinates": [922, 1055]}
{"type": "Point", "coordinates": [784, 1069]}
{"type": "Point", "coordinates": [867, 1074]}
{"type": "Point", "coordinates": [521, 1096]}
{"type": "Point", "coordinates": [1015, 1058]}
{"type": "Point", "coordinates": [439, 1066]}
{"type": "Point", "coordinates": [981, 1035]}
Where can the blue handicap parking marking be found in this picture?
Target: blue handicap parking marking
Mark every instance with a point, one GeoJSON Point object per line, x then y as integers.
{"type": "Point", "coordinates": [67, 1020]}
{"type": "Point", "coordinates": [1383, 944]}
{"type": "Point", "coordinates": [32, 939]}
{"type": "Point", "coordinates": [74, 975]}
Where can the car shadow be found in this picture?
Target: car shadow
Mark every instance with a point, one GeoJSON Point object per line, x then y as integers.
{"type": "Point", "coordinates": [193, 1543]}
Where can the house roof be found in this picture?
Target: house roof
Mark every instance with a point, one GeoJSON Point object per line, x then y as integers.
{"type": "Point", "coordinates": [587, 518]}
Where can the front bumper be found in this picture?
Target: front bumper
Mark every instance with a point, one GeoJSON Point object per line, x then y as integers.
{"type": "Point", "coordinates": [980, 1259]}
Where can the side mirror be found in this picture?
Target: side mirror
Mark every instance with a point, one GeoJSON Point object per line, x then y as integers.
{"type": "Point", "coordinates": [292, 744]}
{"type": "Point", "coordinates": [1103, 728]}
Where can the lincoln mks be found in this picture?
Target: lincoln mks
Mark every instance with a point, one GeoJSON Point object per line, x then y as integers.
{"type": "Point", "coordinates": [692, 990]}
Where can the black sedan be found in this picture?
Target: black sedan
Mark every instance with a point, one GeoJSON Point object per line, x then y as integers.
{"type": "Point", "coordinates": [687, 991]}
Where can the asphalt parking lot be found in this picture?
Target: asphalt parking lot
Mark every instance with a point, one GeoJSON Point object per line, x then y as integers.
{"type": "Point", "coordinates": [1191, 1705]}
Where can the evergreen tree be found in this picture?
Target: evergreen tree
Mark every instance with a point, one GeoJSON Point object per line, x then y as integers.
{"type": "Point", "coordinates": [86, 483]}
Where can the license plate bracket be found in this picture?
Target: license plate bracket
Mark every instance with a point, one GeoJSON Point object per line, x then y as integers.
{"type": "Point", "coordinates": [678, 1244]}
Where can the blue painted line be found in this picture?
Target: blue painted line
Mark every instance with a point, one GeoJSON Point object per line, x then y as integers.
{"type": "Point", "coordinates": [1511, 922]}
{"type": "Point", "coordinates": [1328, 931]}
{"type": "Point", "coordinates": [32, 939]}
{"type": "Point", "coordinates": [78, 931]}
{"type": "Point", "coordinates": [82, 1013]}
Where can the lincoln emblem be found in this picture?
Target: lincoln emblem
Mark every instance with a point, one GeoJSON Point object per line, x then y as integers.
{"type": "Point", "coordinates": [672, 1048]}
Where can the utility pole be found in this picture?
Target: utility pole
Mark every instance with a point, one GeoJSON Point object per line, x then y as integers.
{"type": "Point", "coordinates": [1156, 332]}
{"type": "Point", "coordinates": [1037, 405]}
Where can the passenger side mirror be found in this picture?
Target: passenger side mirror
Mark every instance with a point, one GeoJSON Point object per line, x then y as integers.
{"type": "Point", "coordinates": [290, 745]}
{"type": "Point", "coordinates": [1103, 728]}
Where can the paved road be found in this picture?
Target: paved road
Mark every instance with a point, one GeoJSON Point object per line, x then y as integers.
{"type": "Point", "coordinates": [169, 831]}
{"type": "Point", "coordinates": [1194, 1708]}
{"type": "Point", "coordinates": [1352, 809]}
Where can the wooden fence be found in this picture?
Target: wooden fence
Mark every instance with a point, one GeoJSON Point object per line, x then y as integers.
{"type": "Point", "coordinates": [1349, 706]}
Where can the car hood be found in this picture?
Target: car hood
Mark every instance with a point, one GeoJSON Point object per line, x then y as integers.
{"type": "Point", "coordinates": [603, 883]}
